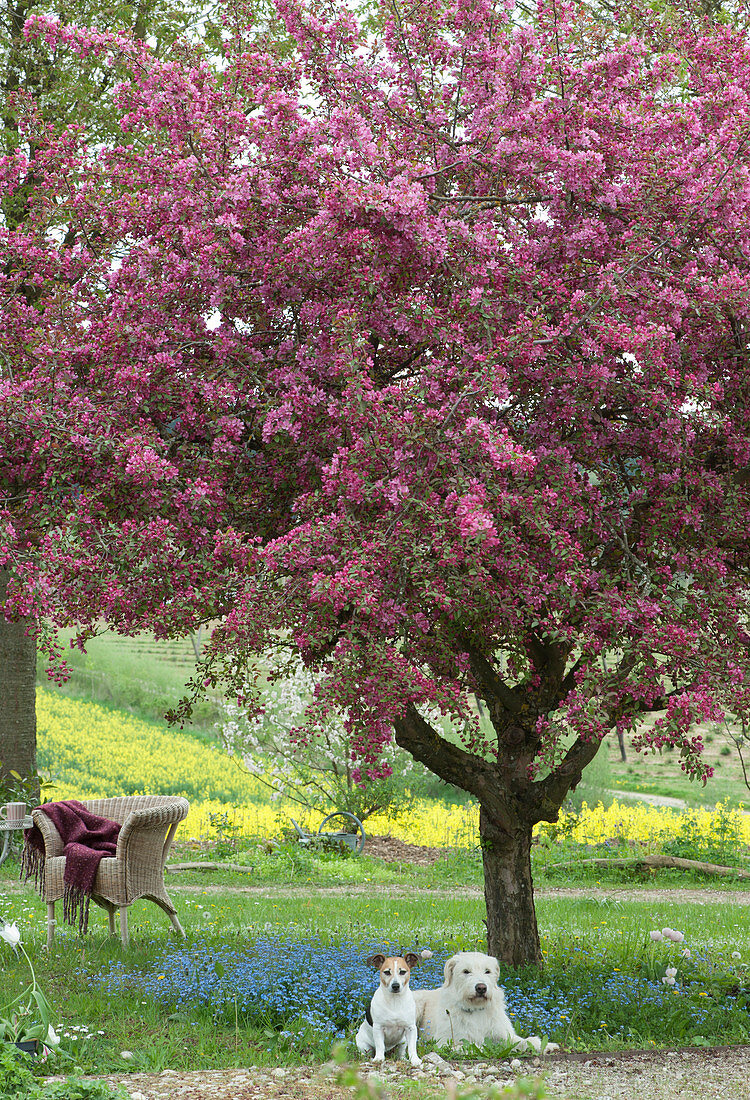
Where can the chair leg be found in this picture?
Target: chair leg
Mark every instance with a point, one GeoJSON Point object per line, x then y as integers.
{"type": "Point", "coordinates": [124, 925]}
{"type": "Point", "coordinates": [50, 924]}
{"type": "Point", "coordinates": [176, 924]}
{"type": "Point", "coordinates": [111, 916]}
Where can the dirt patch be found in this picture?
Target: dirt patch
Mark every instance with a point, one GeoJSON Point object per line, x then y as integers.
{"type": "Point", "coordinates": [392, 850]}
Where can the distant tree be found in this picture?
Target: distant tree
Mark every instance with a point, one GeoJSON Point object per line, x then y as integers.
{"type": "Point", "coordinates": [427, 344]}
{"type": "Point", "coordinates": [315, 767]}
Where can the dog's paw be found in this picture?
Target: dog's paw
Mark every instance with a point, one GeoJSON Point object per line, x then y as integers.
{"type": "Point", "coordinates": [416, 1062]}
{"type": "Point", "coordinates": [541, 1046]}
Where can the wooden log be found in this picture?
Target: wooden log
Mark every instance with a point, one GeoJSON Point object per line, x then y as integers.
{"type": "Point", "coordinates": [660, 861]}
{"type": "Point", "coordinates": [204, 866]}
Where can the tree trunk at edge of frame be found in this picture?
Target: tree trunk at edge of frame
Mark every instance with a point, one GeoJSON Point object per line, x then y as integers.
{"type": "Point", "coordinates": [18, 692]}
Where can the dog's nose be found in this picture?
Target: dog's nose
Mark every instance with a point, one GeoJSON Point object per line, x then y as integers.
{"type": "Point", "coordinates": [395, 987]}
{"type": "Point", "coordinates": [480, 989]}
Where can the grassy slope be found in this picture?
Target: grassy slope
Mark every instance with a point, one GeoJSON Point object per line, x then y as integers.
{"type": "Point", "coordinates": [140, 675]}
{"type": "Point", "coordinates": [660, 774]}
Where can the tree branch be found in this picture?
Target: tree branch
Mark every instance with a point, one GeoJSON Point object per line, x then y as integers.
{"type": "Point", "coordinates": [548, 794]}
{"type": "Point", "coordinates": [452, 763]}
{"type": "Point", "coordinates": [489, 679]}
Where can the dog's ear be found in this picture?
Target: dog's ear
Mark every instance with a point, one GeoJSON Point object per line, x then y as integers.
{"type": "Point", "coordinates": [376, 961]}
{"type": "Point", "coordinates": [412, 960]}
{"type": "Point", "coordinates": [450, 966]}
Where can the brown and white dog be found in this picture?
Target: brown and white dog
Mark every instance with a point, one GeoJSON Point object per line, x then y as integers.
{"type": "Point", "coordinates": [391, 1019]}
{"type": "Point", "coordinates": [469, 1007]}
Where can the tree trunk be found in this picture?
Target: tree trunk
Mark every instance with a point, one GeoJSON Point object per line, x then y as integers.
{"type": "Point", "coordinates": [512, 933]}
{"type": "Point", "coordinates": [17, 691]}
{"type": "Point", "coordinates": [621, 742]}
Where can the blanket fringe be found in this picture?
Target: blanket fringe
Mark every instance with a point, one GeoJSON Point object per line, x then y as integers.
{"type": "Point", "coordinates": [76, 904]}
{"type": "Point", "coordinates": [32, 865]}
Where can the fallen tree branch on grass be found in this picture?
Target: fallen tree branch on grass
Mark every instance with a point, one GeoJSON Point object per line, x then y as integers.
{"type": "Point", "coordinates": [659, 861]}
{"type": "Point", "coordinates": [209, 867]}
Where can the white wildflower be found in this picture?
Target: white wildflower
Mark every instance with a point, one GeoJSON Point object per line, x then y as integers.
{"type": "Point", "coordinates": [10, 933]}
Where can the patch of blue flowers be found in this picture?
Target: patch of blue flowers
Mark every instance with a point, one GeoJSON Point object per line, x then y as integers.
{"type": "Point", "coordinates": [312, 990]}
{"type": "Point", "coordinates": [619, 1004]}
{"type": "Point", "coordinates": [272, 982]}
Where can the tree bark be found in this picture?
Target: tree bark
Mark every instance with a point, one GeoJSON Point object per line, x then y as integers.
{"type": "Point", "coordinates": [512, 932]}
{"type": "Point", "coordinates": [18, 689]}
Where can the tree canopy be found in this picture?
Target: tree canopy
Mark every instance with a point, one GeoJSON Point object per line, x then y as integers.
{"type": "Point", "coordinates": [417, 348]}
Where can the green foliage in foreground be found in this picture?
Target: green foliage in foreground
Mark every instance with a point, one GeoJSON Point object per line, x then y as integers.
{"type": "Point", "coordinates": [18, 1082]}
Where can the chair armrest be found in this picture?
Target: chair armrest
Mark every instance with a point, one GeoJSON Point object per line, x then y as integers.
{"type": "Point", "coordinates": [53, 845]}
{"type": "Point", "coordinates": [152, 822]}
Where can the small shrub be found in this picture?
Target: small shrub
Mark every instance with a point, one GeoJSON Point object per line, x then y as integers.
{"type": "Point", "coordinates": [226, 836]}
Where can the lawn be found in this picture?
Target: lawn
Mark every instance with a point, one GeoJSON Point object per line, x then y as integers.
{"type": "Point", "coordinates": [231, 993]}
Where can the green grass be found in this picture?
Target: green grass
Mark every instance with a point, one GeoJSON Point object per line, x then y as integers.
{"type": "Point", "coordinates": [584, 939]}
{"type": "Point", "coordinates": [660, 773]}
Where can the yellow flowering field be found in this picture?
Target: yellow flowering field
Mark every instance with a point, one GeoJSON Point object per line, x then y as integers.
{"type": "Point", "coordinates": [650, 826]}
{"type": "Point", "coordinates": [91, 751]}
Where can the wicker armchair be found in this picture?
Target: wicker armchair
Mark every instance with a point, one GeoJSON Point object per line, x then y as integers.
{"type": "Point", "coordinates": [148, 824]}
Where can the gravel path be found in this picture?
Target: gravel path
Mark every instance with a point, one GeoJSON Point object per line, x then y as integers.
{"type": "Point", "coordinates": [713, 1074]}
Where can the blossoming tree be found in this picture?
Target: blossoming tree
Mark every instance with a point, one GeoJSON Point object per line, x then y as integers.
{"type": "Point", "coordinates": [428, 344]}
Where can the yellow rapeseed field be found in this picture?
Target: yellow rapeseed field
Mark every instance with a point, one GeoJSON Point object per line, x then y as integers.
{"type": "Point", "coordinates": [91, 751]}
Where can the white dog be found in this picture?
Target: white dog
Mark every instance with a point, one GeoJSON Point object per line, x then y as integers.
{"type": "Point", "coordinates": [391, 1020]}
{"type": "Point", "coordinates": [469, 1007]}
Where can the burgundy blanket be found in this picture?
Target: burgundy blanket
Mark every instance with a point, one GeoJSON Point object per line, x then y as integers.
{"type": "Point", "coordinates": [87, 839]}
